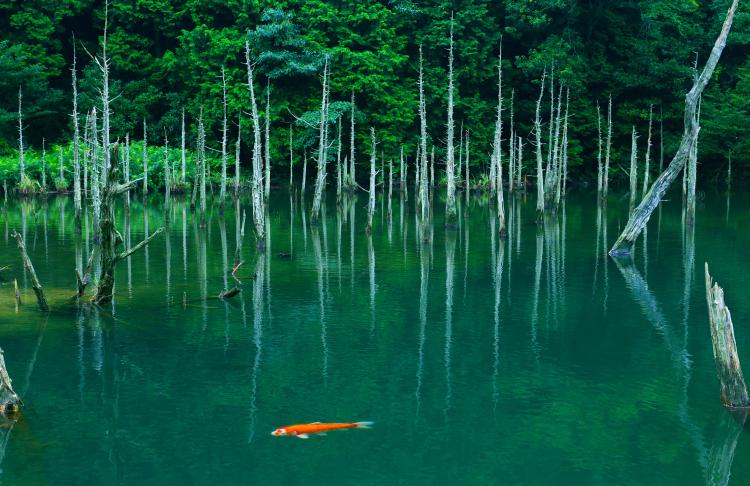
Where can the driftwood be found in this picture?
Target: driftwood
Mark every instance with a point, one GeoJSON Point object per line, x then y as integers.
{"type": "Point", "coordinates": [639, 218]}
{"type": "Point", "coordinates": [9, 401]}
{"type": "Point", "coordinates": [733, 389]}
{"type": "Point", "coordinates": [35, 284]}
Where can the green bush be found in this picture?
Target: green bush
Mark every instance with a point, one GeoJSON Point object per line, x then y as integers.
{"type": "Point", "coordinates": [61, 184]}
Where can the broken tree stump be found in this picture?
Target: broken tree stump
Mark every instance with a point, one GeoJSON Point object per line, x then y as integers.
{"type": "Point", "coordinates": [35, 284]}
{"type": "Point", "coordinates": [9, 401]}
{"type": "Point", "coordinates": [733, 388]}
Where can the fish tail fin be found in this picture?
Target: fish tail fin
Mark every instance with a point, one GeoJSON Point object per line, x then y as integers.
{"type": "Point", "coordinates": [364, 425]}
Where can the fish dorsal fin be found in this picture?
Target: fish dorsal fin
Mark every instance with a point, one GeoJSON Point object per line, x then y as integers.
{"type": "Point", "coordinates": [316, 422]}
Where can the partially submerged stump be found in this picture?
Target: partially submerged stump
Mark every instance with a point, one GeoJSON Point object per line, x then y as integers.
{"type": "Point", "coordinates": [733, 389]}
{"type": "Point", "coordinates": [9, 401]}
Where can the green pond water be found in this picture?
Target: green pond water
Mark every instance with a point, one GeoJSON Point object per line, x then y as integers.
{"type": "Point", "coordinates": [534, 360]}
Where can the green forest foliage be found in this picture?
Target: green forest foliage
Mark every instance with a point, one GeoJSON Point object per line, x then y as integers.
{"type": "Point", "coordinates": [167, 54]}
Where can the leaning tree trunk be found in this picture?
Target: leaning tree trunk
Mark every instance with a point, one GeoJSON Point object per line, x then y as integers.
{"type": "Point", "coordinates": [733, 389]}
{"type": "Point", "coordinates": [35, 284]}
{"type": "Point", "coordinates": [639, 218]}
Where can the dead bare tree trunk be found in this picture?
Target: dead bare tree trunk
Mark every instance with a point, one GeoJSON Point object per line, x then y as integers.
{"type": "Point", "coordinates": [450, 203]}
{"type": "Point", "coordinates": [21, 157]}
{"type": "Point", "coordinates": [35, 284]}
{"type": "Point", "coordinates": [257, 195]}
{"type": "Point", "coordinates": [9, 401]}
{"type": "Point", "coordinates": [605, 187]}
{"type": "Point", "coordinates": [76, 147]}
{"type": "Point", "coordinates": [224, 130]}
{"type": "Point", "coordinates": [145, 155]}
{"type": "Point", "coordinates": [648, 151]}
{"type": "Point", "coordinates": [371, 198]}
{"type": "Point", "coordinates": [267, 145]}
{"type": "Point", "coordinates": [639, 218]}
{"type": "Point", "coordinates": [183, 153]}
{"type": "Point", "coordinates": [633, 169]}
{"type": "Point", "coordinates": [320, 179]}
{"type": "Point", "coordinates": [539, 156]}
{"type": "Point", "coordinates": [599, 174]}
{"type": "Point", "coordinates": [733, 389]}
{"type": "Point", "coordinates": [237, 157]}
{"type": "Point", "coordinates": [352, 175]}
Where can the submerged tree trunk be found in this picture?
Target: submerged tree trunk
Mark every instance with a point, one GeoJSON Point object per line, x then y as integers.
{"type": "Point", "coordinates": [267, 145]}
{"type": "Point", "coordinates": [371, 198]}
{"type": "Point", "coordinates": [21, 158]}
{"type": "Point", "coordinates": [352, 175]}
{"type": "Point", "coordinates": [648, 151]}
{"type": "Point", "coordinates": [450, 204]}
{"type": "Point", "coordinates": [257, 195]}
{"type": "Point", "coordinates": [605, 183]}
{"type": "Point", "coordinates": [599, 174]}
{"type": "Point", "coordinates": [35, 284]}
{"type": "Point", "coordinates": [201, 170]}
{"type": "Point", "coordinates": [9, 401]}
{"type": "Point", "coordinates": [633, 169]}
{"type": "Point", "coordinates": [539, 156]}
{"type": "Point", "coordinates": [224, 130]}
{"type": "Point", "coordinates": [320, 179]}
{"type": "Point", "coordinates": [145, 156]}
{"type": "Point", "coordinates": [733, 389]}
{"type": "Point", "coordinates": [639, 218]}
{"type": "Point", "coordinates": [76, 148]}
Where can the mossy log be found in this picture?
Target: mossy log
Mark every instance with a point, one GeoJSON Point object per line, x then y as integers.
{"type": "Point", "coordinates": [733, 388]}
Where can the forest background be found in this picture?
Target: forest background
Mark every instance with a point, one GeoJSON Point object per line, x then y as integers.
{"type": "Point", "coordinates": [167, 55]}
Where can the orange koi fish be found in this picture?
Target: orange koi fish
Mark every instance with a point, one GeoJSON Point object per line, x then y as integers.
{"type": "Point", "coordinates": [303, 431]}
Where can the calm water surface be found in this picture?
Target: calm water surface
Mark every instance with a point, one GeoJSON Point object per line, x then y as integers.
{"type": "Point", "coordinates": [534, 360]}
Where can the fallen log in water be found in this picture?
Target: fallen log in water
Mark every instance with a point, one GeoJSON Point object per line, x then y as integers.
{"type": "Point", "coordinates": [733, 388]}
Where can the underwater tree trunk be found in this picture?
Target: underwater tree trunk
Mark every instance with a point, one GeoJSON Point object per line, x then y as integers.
{"type": "Point", "coordinates": [9, 401]}
{"type": "Point", "coordinates": [35, 284]}
{"type": "Point", "coordinates": [320, 179]}
{"type": "Point", "coordinates": [639, 218]}
{"type": "Point", "coordinates": [733, 389]}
